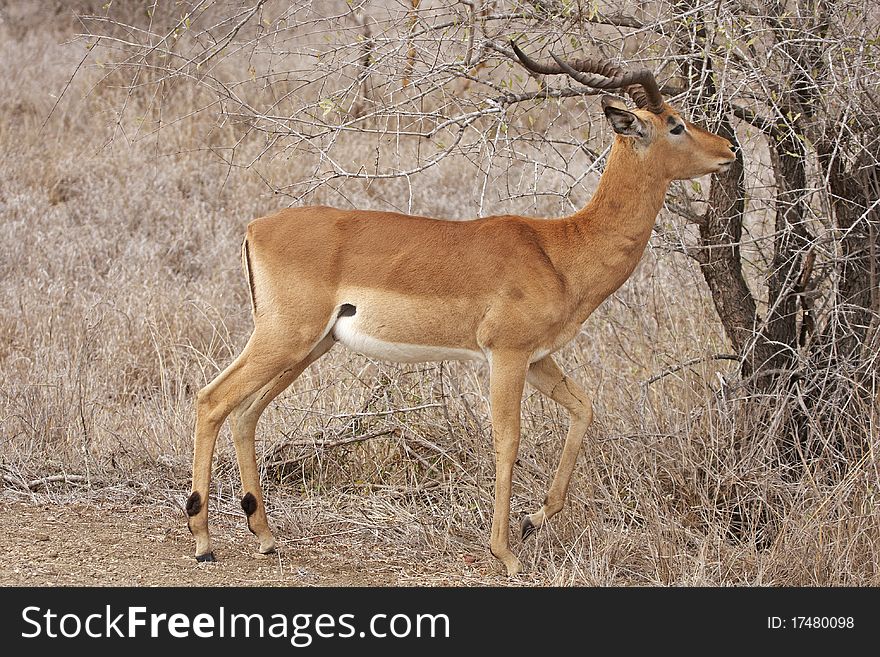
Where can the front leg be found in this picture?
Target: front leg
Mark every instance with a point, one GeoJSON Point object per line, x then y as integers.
{"type": "Point", "coordinates": [506, 382]}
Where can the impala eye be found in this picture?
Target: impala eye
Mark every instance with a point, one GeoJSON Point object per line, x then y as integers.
{"type": "Point", "coordinates": [677, 130]}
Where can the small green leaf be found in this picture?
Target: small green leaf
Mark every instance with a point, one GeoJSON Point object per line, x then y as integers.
{"type": "Point", "coordinates": [327, 105]}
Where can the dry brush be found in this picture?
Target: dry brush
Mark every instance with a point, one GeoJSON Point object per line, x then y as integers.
{"type": "Point", "coordinates": [735, 374]}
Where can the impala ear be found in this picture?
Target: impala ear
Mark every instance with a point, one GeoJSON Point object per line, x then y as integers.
{"type": "Point", "coordinates": [622, 121]}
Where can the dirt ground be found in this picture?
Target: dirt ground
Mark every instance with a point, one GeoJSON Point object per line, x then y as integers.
{"type": "Point", "coordinates": [115, 545]}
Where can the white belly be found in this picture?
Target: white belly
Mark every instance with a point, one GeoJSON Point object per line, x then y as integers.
{"type": "Point", "coordinates": [347, 332]}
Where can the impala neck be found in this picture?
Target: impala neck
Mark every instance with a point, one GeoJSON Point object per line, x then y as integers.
{"type": "Point", "coordinates": [629, 195]}
{"type": "Point", "coordinates": [615, 225]}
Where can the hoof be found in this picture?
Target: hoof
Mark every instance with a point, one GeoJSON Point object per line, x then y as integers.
{"type": "Point", "coordinates": [267, 546]}
{"type": "Point", "coordinates": [208, 556]}
{"type": "Point", "coordinates": [509, 562]}
{"type": "Point", "coordinates": [528, 527]}
{"type": "Point", "coordinates": [514, 567]}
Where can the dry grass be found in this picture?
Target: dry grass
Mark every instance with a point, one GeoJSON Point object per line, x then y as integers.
{"type": "Point", "coordinates": [123, 296]}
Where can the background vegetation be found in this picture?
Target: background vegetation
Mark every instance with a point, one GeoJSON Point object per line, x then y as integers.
{"type": "Point", "coordinates": [735, 375]}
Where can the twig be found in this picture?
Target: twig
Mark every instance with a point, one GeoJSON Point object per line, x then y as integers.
{"type": "Point", "coordinates": [469, 52]}
{"type": "Point", "coordinates": [327, 445]}
{"type": "Point", "coordinates": [393, 411]}
{"type": "Point", "coordinates": [692, 361]}
{"type": "Point", "coordinates": [36, 483]}
{"type": "Point", "coordinates": [303, 539]}
{"type": "Point", "coordinates": [66, 87]}
{"type": "Point", "coordinates": [229, 37]}
{"type": "Point", "coordinates": [352, 439]}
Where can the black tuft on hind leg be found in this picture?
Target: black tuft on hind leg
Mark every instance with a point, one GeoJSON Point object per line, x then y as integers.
{"type": "Point", "coordinates": [527, 527]}
{"type": "Point", "coordinates": [193, 504]}
{"type": "Point", "coordinates": [249, 504]}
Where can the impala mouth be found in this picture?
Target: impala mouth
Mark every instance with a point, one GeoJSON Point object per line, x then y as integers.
{"type": "Point", "coordinates": [724, 167]}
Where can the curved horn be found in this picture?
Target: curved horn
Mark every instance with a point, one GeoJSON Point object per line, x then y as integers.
{"type": "Point", "coordinates": [531, 64]}
{"type": "Point", "coordinates": [605, 68]}
{"type": "Point", "coordinates": [640, 85]}
{"type": "Point", "coordinates": [645, 92]}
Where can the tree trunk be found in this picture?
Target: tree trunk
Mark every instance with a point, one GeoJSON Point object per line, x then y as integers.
{"type": "Point", "coordinates": [790, 243]}
{"type": "Point", "coordinates": [719, 254]}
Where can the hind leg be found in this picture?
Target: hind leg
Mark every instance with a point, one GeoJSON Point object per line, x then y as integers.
{"type": "Point", "coordinates": [244, 425]}
{"type": "Point", "coordinates": [268, 352]}
{"type": "Point", "coordinates": [546, 376]}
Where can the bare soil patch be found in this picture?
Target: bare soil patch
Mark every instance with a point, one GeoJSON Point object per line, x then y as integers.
{"type": "Point", "coordinates": [119, 545]}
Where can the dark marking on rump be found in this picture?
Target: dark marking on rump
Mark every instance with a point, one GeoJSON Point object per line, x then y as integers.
{"type": "Point", "coordinates": [249, 504]}
{"type": "Point", "coordinates": [193, 504]}
{"type": "Point", "coordinates": [250, 274]}
{"type": "Point", "coordinates": [346, 310]}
